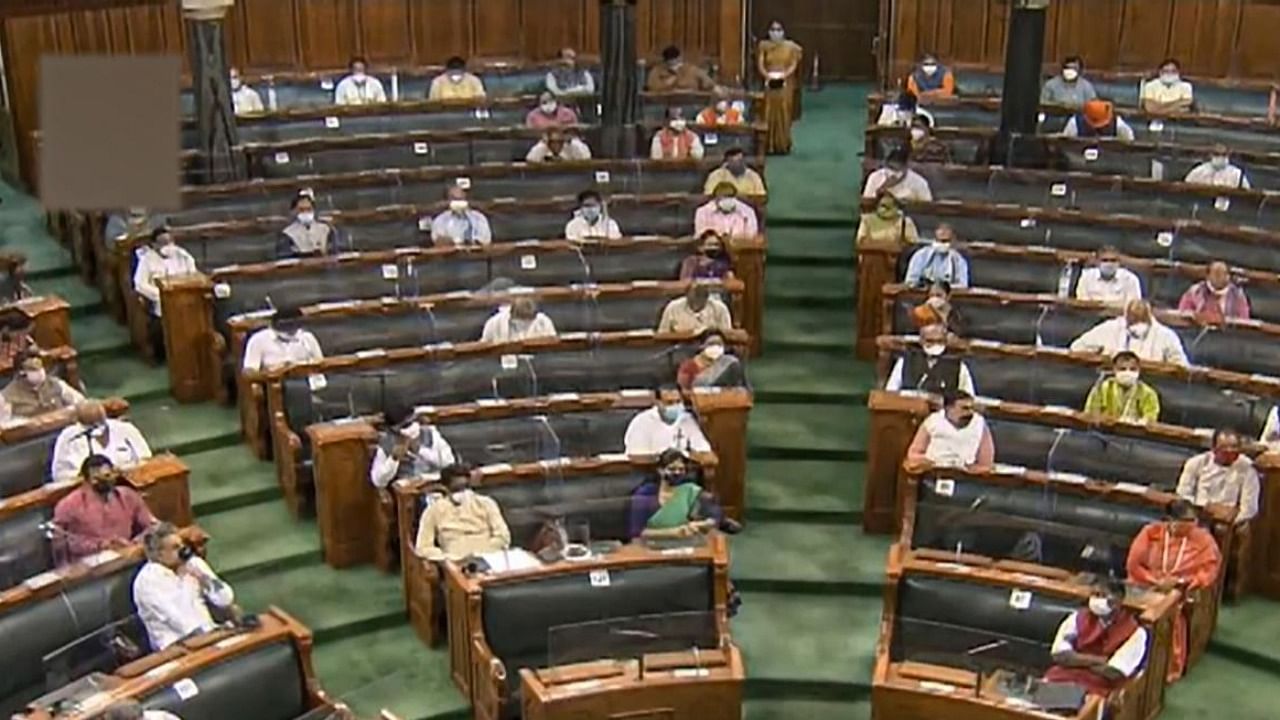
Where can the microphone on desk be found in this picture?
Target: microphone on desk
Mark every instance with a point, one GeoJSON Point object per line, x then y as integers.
{"type": "Point", "coordinates": [982, 650]}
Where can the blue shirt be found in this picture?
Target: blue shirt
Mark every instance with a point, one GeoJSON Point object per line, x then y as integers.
{"type": "Point", "coordinates": [928, 265]}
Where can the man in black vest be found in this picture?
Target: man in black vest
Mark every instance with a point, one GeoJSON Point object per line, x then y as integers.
{"type": "Point", "coordinates": [1098, 119]}
{"type": "Point", "coordinates": [930, 367]}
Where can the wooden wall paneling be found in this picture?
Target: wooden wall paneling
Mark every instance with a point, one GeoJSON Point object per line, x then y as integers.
{"type": "Point", "coordinates": [497, 28]}
{"type": "Point", "coordinates": [996, 24]}
{"type": "Point", "coordinates": [385, 33]}
{"type": "Point", "coordinates": [1200, 35]}
{"type": "Point", "coordinates": [1144, 36]}
{"type": "Point", "coordinates": [441, 29]}
{"type": "Point", "coordinates": [590, 28]}
{"type": "Point", "coordinates": [1255, 41]}
{"type": "Point", "coordinates": [730, 39]}
{"type": "Point", "coordinates": [91, 32]}
{"type": "Point", "coordinates": [549, 25]}
{"type": "Point", "coordinates": [1090, 31]}
{"type": "Point", "coordinates": [967, 30]}
{"type": "Point", "coordinates": [326, 32]}
{"type": "Point", "coordinates": [263, 35]}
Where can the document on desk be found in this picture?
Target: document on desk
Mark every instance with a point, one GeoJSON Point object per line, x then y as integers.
{"type": "Point", "coordinates": [501, 561]}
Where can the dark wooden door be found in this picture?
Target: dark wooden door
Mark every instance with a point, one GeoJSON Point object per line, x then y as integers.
{"type": "Point", "coordinates": [839, 33]}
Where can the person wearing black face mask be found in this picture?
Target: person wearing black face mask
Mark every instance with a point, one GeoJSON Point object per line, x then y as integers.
{"type": "Point", "coordinates": [955, 436]}
{"type": "Point", "coordinates": [461, 524]}
{"type": "Point", "coordinates": [675, 505]}
{"type": "Point", "coordinates": [285, 342]}
{"type": "Point", "coordinates": [711, 262]}
{"type": "Point", "coordinates": [100, 514]}
{"type": "Point", "coordinates": [929, 367]}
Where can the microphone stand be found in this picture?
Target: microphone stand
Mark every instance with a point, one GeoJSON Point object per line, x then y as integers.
{"type": "Point", "coordinates": [973, 653]}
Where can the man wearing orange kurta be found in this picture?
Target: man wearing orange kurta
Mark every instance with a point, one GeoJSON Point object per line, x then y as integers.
{"type": "Point", "coordinates": [1175, 553]}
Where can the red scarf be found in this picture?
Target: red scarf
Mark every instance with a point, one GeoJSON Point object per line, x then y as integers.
{"type": "Point", "coordinates": [1094, 637]}
{"type": "Point", "coordinates": [675, 147]}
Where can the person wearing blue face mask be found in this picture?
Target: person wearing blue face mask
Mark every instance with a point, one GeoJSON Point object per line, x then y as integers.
{"type": "Point", "coordinates": [591, 221]}
{"type": "Point", "coordinates": [668, 424]}
{"type": "Point", "coordinates": [1108, 282]}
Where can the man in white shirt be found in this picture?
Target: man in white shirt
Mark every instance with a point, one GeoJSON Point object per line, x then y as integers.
{"type": "Point", "coordinates": [899, 180]}
{"type": "Point", "coordinates": [460, 224]}
{"type": "Point", "coordinates": [160, 258]}
{"type": "Point", "coordinates": [1218, 171]}
{"type": "Point", "coordinates": [668, 424]}
{"type": "Point", "coordinates": [359, 88]}
{"type": "Point", "coordinates": [244, 99]}
{"type": "Point", "coordinates": [929, 367]}
{"type": "Point", "coordinates": [1101, 646]}
{"type": "Point", "coordinates": [1167, 92]}
{"type": "Point", "coordinates": [94, 433]}
{"type": "Point", "coordinates": [518, 321]}
{"type": "Point", "coordinates": [1108, 282]}
{"type": "Point", "coordinates": [284, 342]}
{"type": "Point", "coordinates": [954, 437]}
{"type": "Point", "coordinates": [591, 220]}
{"type": "Point", "coordinates": [555, 147]}
{"type": "Point", "coordinates": [695, 313]}
{"type": "Point", "coordinates": [409, 450]}
{"type": "Point", "coordinates": [1136, 331]}
{"type": "Point", "coordinates": [174, 589]}
{"type": "Point", "coordinates": [1222, 476]}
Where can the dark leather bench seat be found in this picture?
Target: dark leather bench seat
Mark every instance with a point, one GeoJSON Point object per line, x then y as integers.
{"type": "Point", "coordinates": [265, 684]}
{"type": "Point", "coordinates": [525, 439]}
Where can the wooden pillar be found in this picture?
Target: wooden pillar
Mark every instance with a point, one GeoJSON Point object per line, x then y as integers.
{"type": "Point", "coordinates": [748, 265]}
{"type": "Point", "coordinates": [877, 267]}
{"type": "Point", "coordinates": [215, 113]}
{"type": "Point", "coordinates": [189, 337]}
{"type": "Point", "coordinates": [50, 319]}
{"type": "Point", "coordinates": [893, 423]}
{"type": "Point", "coordinates": [163, 481]}
{"type": "Point", "coordinates": [1264, 533]}
{"type": "Point", "coordinates": [346, 502]}
{"type": "Point", "coordinates": [620, 89]}
{"type": "Point", "coordinates": [723, 415]}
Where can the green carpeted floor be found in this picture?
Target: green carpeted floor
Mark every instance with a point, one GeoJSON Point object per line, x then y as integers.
{"type": "Point", "coordinates": [811, 580]}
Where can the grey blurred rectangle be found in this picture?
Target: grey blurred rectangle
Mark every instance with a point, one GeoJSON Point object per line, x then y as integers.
{"type": "Point", "coordinates": [110, 131]}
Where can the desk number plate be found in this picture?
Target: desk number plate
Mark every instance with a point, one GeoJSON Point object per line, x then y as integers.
{"type": "Point", "coordinates": [421, 148]}
{"type": "Point", "coordinates": [282, 158]}
{"type": "Point", "coordinates": [945, 488]}
{"type": "Point", "coordinates": [602, 177]}
{"type": "Point", "coordinates": [600, 578]}
{"type": "Point", "coordinates": [1058, 189]}
{"type": "Point", "coordinates": [390, 272]}
{"type": "Point", "coordinates": [1090, 154]}
{"type": "Point", "coordinates": [1222, 204]}
{"type": "Point", "coordinates": [509, 362]}
{"type": "Point", "coordinates": [186, 689]}
{"type": "Point", "coordinates": [1020, 599]}
{"type": "Point", "coordinates": [332, 122]}
{"type": "Point", "coordinates": [464, 183]}
{"type": "Point", "coordinates": [528, 262]}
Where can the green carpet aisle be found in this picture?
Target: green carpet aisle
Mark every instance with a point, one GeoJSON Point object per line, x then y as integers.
{"type": "Point", "coordinates": [811, 580]}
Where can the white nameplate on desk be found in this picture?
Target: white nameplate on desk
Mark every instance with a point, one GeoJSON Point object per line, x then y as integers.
{"type": "Point", "coordinates": [36, 582]}
{"type": "Point", "coordinates": [490, 402]}
{"type": "Point", "coordinates": [230, 642]}
{"type": "Point", "coordinates": [936, 687]}
{"type": "Point", "coordinates": [1070, 478]}
{"type": "Point", "coordinates": [1133, 488]}
{"type": "Point", "coordinates": [690, 672]}
{"type": "Point", "coordinates": [613, 457]}
{"type": "Point", "coordinates": [100, 558]}
{"type": "Point", "coordinates": [161, 670]}
{"type": "Point", "coordinates": [1000, 469]}
{"type": "Point", "coordinates": [563, 397]}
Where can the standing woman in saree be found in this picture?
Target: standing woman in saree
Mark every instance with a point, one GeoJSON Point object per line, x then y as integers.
{"type": "Point", "coordinates": [777, 60]}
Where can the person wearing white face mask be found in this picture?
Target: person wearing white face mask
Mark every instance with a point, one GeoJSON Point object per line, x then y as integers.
{"type": "Point", "coordinates": [713, 366]}
{"type": "Point", "coordinates": [411, 449]}
{"type": "Point", "coordinates": [1068, 89]}
{"type": "Point", "coordinates": [550, 113]}
{"type": "Point", "coordinates": [591, 221]}
{"type": "Point", "coordinates": [778, 61]}
{"type": "Point", "coordinates": [244, 99]}
{"type": "Point", "coordinates": [925, 148]}
{"type": "Point", "coordinates": [283, 343]}
{"type": "Point", "coordinates": [673, 74]}
{"type": "Point", "coordinates": [1218, 171]}
{"type": "Point", "coordinates": [938, 260]}
{"type": "Point", "coordinates": [931, 81]}
{"type": "Point", "coordinates": [930, 367]}
{"type": "Point", "coordinates": [676, 141]}
{"type": "Point", "coordinates": [359, 88]}
{"type": "Point", "coordinates": [556, 147]}
{"type": "Point", "coordinates": [518, 321]}
{"type": "Point", "coordinates": [666, 425]}
{"type": "Point", "coordinates": [1167, 92]}
{"type": "Point", "coordinates": [160, 258]}
{"type": "Point", "coordinates": [306, 235]}
{"type": "Point", "coordinates": [1101, 646]}
{"type": "Point", "coordinates": [1108, 282]}
{"type": "Point", "coordinates": [726, 215]}
{"type": "Point", "coordinates": [1215, 299]}
{"type": "Point", "coordinates": [1136, 331]}
{"type": "Point", "coordinates": [33, 391]}
{"type": "Point", "coordinates": [1121, 395]}
{"type": "Point", "coordinates": [94, 433]}
{"type": "Point", "coordinates": [462, 523]}
{"type": "Point", "coordinates": [456, 83]}
{"type": "Point", "coordinates": [897, 178]}
{"type": "Point", "coordinates": [461, 224]}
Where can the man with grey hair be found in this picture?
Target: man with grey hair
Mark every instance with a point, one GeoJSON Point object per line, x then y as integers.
{"type": "Point", "coordinates": [131, 710]}
{"type": "Point", "coordinates": [175, 588]}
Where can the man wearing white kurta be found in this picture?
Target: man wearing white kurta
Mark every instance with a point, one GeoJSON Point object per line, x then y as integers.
{"type": "Point", "coordinates": [94, 433]}
{"type": "Point", "coordinates": [171, 592]}
{"type": "Point", "coordinates": [668, 424]}
{"type": "Point", "coordinates": [1222, 476]}
{"type": "Point", "coordinates": [359, 88]}
{"type": "Point", "coordinates": [1136, 331]}
{"type": "Point", "coordinates": [283, 343]}
{"type": "Point", "coordinates": [955, 436]}
{"type": "Point", "coordinates": [1218, 171]}
{"type": "Point", "coordinates": [412, 450]}
{"type": "Point", "coordinates": [1108, 282]}
{"type": "Point", "coordinates": [518, 321]}
{"type": "Point", "coordinates": [161, 258]}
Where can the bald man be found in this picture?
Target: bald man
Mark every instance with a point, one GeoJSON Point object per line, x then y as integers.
{"type": "Point", "coordinates": [94, 433]}
{"type": "Point", "coordinates": [1136, 331]}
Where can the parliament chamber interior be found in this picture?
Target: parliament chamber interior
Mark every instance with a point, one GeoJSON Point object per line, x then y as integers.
{"type": "Point", "coordinates": [772, 359]}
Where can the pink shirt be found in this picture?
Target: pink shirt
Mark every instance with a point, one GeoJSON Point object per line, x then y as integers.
{"type": "Point", "coordinates": [541, 121]}
{"type": "Point", "coordinates": [739, 223]}
{"type": "Point", "coordinates": [89, 523]}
